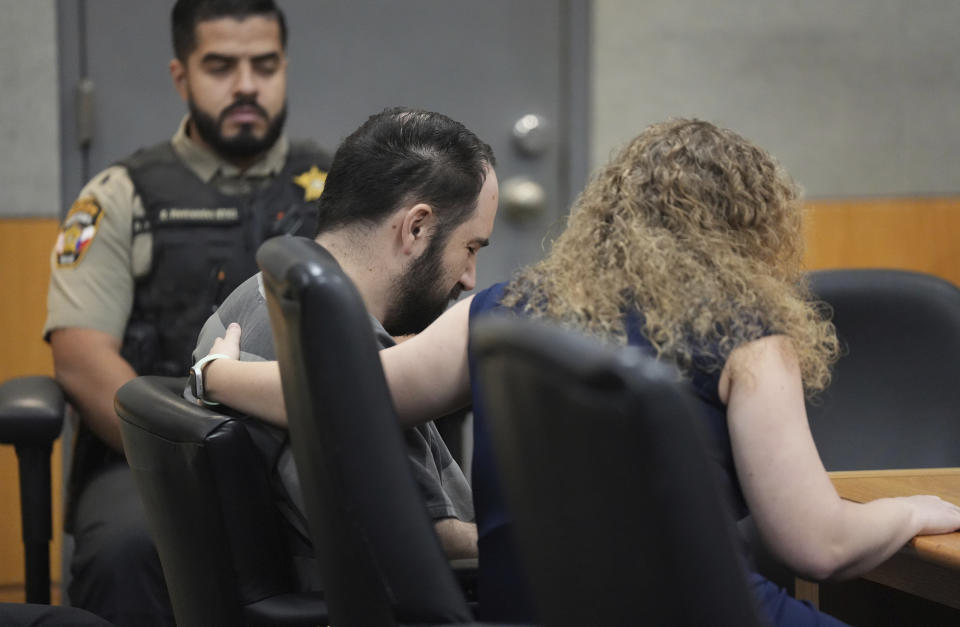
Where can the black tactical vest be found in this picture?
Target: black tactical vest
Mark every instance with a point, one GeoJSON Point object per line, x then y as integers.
{"type": "Point", "coordinates": [203, 246]}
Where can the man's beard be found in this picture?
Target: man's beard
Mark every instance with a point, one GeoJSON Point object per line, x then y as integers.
{"type": "Point", "coordinates": [417, 300]}
{"type": "Point", "coordinates": [244, 144]}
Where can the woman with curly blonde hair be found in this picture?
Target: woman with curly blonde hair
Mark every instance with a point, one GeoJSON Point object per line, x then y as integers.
{"type": "Point", "coordinates": [698, 229]}
{"type": "Point", "coordinates": [689, 244]}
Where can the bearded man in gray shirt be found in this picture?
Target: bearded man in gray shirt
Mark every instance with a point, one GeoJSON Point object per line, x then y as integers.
{"type": "Point", "coordinates": [410, 199]}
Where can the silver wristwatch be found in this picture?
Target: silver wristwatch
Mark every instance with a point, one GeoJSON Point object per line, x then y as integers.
{"type": "Point", "coordinates": [196, 377]}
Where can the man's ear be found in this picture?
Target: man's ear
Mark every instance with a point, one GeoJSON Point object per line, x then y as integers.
{"type": "Point", "coordinates": [178, 72]}
{"type": "Point", "coordinates": [415, 229]}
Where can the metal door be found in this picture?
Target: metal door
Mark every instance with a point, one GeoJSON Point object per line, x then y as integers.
{"type": "Point", "coordinates": [488, 64]}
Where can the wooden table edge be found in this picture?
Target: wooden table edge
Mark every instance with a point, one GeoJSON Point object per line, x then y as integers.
{"type": "Point", "coordinates": [896, 472]}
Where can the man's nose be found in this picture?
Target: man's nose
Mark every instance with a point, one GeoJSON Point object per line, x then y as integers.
{"type": "Point", "coordinates": [468, 280]}
{"type": "Point", "coordinates": [246, 83]}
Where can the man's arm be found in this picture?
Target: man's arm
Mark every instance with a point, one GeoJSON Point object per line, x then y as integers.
{"type": "Point", "coordinates": [90, 297]}
{"type": "Point", "coordinates": [458, 538]}
{"type": "Point", "coordinates": [89, 367]}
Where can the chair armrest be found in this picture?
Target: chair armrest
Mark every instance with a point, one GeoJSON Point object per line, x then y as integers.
{"type": "Point", "coordinates": [31, 410]}
{"type": "Point", "coordinates": [466, 573]}
{"type": "Point", "coordinates": [295, 608]}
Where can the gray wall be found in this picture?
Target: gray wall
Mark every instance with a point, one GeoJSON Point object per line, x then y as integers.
{"type": "Point", "coordinates": [29, 117]}
{"type": "Point", "coordinates": [855, 97]}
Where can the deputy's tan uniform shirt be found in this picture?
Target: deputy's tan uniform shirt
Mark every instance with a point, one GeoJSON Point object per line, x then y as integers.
{"type": "Point", "coordinates": [96, 259]}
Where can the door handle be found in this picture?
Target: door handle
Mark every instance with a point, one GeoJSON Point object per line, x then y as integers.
{"type": "Point", "coordinates": [531, 135]}
{"type": "Point", "coordinates": [522, 199]}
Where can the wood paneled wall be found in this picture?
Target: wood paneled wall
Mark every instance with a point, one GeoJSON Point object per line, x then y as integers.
{"type": "Point", "coordinates": [24, 272]}
{"type": "Point", "coordinates": [912, 233]}
{"type": "Point", "coordinates": [920, 234]}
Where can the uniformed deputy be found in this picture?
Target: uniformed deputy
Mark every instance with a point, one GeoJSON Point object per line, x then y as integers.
{"type": "Point", "coordinates": [149, 249]}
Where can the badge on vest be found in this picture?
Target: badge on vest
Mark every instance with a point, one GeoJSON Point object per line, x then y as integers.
{"type": "Point", "coordinates": [312, 182]}
{"type": "Point", "coordinates": [77, 231]}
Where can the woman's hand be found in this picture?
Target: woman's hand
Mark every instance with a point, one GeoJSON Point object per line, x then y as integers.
{"type": "Point", "coordinates": [252, 387]}
{"type": "Point", "coordinates": [932, 514]}
{"type": "Point", "coordinates": [229, 344]}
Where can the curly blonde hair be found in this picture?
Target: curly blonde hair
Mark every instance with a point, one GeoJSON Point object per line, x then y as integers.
{"type": "Point", "coordinates": [698, 230]}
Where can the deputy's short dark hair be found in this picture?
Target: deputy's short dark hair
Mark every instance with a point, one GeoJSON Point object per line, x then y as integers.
{"type": "Point", "coordinates": [404, 156]}
{"type": "Point", "coordinates": [187, 13]}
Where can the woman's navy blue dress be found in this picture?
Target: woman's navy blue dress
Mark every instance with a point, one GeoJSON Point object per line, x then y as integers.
{"type": "Point", "coordinates": [503, 592]}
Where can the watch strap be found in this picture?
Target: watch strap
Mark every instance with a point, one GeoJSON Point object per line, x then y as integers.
{"type": "Point", "coordinates": [196, 377]}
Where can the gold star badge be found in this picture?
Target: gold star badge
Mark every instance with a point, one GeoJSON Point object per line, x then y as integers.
{"type": "Point", "coordinates": [312, 182]}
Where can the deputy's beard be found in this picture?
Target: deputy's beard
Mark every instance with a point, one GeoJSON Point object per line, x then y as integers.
{"type": "Point", "coordinates": [245, 143]}
{"type": "Point", "coordinates": [419, 296]}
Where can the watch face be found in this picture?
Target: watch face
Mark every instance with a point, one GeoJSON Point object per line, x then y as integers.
{"type": "Point", "coordinates": [192, 381]}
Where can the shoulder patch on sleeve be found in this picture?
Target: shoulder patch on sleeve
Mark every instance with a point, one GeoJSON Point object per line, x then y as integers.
{"type": "Point", "coordinates": [77, 231]}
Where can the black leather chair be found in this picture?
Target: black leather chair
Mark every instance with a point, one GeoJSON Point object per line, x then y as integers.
{"type": "Point", "coordinates": [618, 517]}
{"type": "Point", "coordinates": [382, 563]}
{"type": "Point", "coordinates": [210, 507]}
{"type": "Point", "coordinates": [31, 416]}
{"type": "Point", "coordinates": [894, 401]}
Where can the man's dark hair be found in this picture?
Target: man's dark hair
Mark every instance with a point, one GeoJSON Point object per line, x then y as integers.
{"type": "Point", "coordinates": [403, 156]}
{"type": "Point", "coordinates": [187, 13]}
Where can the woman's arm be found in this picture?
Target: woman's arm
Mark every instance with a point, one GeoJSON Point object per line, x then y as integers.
{"type": "Point", "coordinates": [796, 508]}
{"type": "Point", "coordinates": [252, 387]}
{"type": "Point", "coordinates": [428, 375]}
